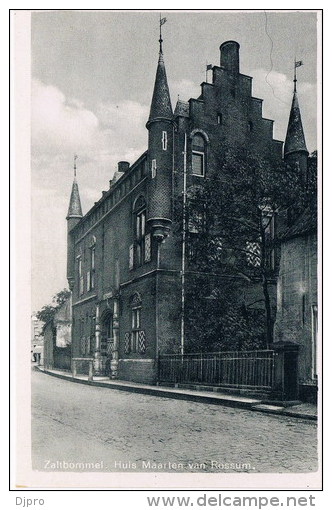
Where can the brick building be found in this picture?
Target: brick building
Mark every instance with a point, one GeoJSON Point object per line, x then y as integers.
{"type": "Point", "coordinates": [125, 262]}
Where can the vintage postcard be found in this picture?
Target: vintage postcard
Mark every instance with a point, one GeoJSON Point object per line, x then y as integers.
{"type": "Point", "coordinates": [167, 170]}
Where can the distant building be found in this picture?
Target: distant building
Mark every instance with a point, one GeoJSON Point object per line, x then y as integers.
{"type": "Point", "coordinates": [124, 260]}
{"type": "Point", "coordinates": [57, 343]}
{"type": "Point", "coordinates": [37, 339]}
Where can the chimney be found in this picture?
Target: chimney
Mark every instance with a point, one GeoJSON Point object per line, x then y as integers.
{"type": "Point", "coordinates": [123, 166]}
{"type": "Point", "coordinates": [229, 56]}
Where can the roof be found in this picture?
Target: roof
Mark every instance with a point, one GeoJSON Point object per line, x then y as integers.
{"type": "Point", "coordinates": [295, 140]}
{"type": "Point", "coordinates": [114, 185]}
{"type": "Point", "coordinates": [75, 208]}
{"type": "Point", "coordinates": [161, 106]}
{"type": "Point", "coordinates": [305, 223]}
{"type": "Point", "coordinates": [181, 109]}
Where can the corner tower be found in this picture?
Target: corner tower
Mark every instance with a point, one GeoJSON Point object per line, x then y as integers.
{"type": "Point", "coordinates": [295, 149]}
{"type": "Point", "coordinates": [73, 217]}
{"type": "Point", "coordinates": [160, 152]}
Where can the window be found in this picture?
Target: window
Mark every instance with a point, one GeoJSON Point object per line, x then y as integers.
{"type": "Point", "coordinates": [198, 164]}
{"type": "Point", "coordinates": [198, 155]}
{"type": "Point", "coordinates": [197, 217]}
{"type": "Point", "coordinates": [135, 321]}
{"type": "Point", "coordinates": [250, 126]}
{"type": "Point", "coordinates": [147, 252]}
{"type": "Point", "coordinates": [140, 235]}
{"type": "Point", "coordinates": [80, 276]}
{"type": "Point", "coordinates": [219, 118]}
{"type": "Point", "coordinates": [164, 140]}
{"type": "Point", "coordinates": [141, 251]}
{"type": "Point", "coordinates": [253, 253]}
{"type": "Point", "coordinates": [131, 256]}
{"type": "Point", "coordinates": [117, 274]}
{"type": "Point", "coordinates": [153, 168]}
{"type": "Point", "coordinates": [92, 266]}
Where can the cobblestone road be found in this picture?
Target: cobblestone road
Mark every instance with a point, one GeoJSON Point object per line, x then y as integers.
{"type": "Point", "coordinates": [123, 431]}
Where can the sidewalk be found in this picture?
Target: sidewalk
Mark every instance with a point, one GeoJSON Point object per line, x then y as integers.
{"type": "Point", "coordinates": [299, 410]}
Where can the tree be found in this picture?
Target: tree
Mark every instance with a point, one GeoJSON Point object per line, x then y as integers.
{"type": "Point", "coordinates": [233, 222]}
{"type": "Point", "coordinates": [47, 313]}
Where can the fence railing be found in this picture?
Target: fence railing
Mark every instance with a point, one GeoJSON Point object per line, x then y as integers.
{"type": "Point", "coordinates": [245, 369]}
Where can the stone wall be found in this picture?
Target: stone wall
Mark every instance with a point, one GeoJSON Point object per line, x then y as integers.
{"type": "Point", "coordinates": [297, 299]}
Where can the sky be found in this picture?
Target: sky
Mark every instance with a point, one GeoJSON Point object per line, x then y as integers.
{"type": "Point", "coordinates": [92, 77]}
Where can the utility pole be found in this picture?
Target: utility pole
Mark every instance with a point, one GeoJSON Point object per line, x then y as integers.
{"type": "Point", "coordinates": [184, 228]}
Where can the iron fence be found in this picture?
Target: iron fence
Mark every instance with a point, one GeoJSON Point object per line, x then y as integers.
{"type": "Point", "coordinates": [240, 369]}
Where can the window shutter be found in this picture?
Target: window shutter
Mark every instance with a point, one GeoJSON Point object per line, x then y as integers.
{"type": "Point", "coordinates": [147, 254]}
{"type": "Point", "coordinates": [127, 343]}
{"type": "Point", "coordinates": [141, 342]}
{"type": "Point", "coordinates": [131, 256]}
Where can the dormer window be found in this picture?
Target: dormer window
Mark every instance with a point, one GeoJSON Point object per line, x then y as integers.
{"type": "Point", "coordinates": [198, 155]}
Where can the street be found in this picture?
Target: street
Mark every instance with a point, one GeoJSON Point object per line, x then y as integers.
{"type": "Point", "coordinates": [77, 427]}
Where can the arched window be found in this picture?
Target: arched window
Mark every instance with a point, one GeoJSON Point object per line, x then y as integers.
{"type": "Point", "coordinates": [140, 251]}
{"type": "Point", "coordinates": [140, 225]}
{"type": "Point", "coordinates": [198, 155]}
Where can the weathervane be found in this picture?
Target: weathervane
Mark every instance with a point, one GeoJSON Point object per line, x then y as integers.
{"type": "Point", "coordinates": [297, 63]}
{"type": "Point", "coordinates": [75, 158]}
{"type": "Point", "coordinates": [161, 22]}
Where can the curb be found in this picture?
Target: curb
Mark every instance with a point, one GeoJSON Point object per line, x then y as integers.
{"type": "Point", "coordinates": [284, 411]}
{"type": "Point", "coordinates": [241, 402]}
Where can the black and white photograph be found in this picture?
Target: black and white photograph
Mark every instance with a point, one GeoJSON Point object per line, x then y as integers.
{"type": "Point", "coordinates": [173, 181]}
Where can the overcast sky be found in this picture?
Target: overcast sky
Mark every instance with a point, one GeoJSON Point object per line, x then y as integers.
{"type": "Point", "coordinates": [92, 82]}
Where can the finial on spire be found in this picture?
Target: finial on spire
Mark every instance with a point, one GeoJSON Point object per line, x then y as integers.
{"type": "Point", "coordinates": [75, 158]}
{"type": "Point", "coordinates": [161, 22]}
{"type": "Point", "coordinates": [297, 63]}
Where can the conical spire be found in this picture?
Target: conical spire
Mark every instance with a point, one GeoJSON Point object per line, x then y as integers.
{"type": "Point", "coordinates": [161, 107]}
{"type": "Point", "coordinates": [295, 140]}
{"type": "Point", "coordinates": [75, 208]}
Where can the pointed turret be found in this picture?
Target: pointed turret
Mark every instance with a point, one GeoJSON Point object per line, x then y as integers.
{"type": "Point", "coordinates": [161, 106]}
{"type": "Point", "coordinates": [73, 217]}
{"type": "Point", "coordinates": [295, 149]}
{"type": "Point", "coordinates": [295, 140]}
{"type": "Point", "coordinates": [160, 153]}
{"type": "Point", "coordinates": [75, 208]}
